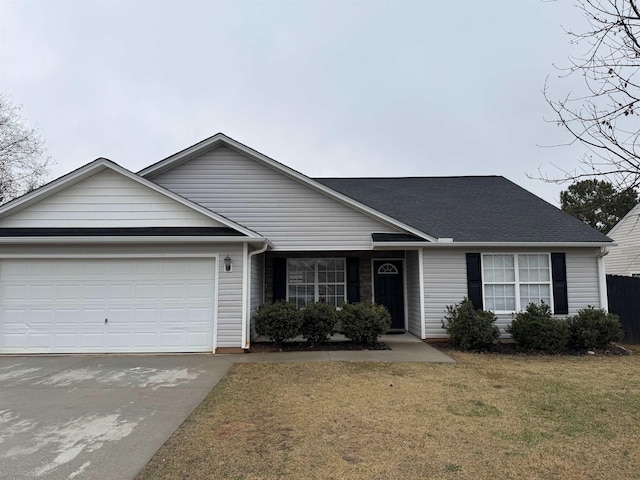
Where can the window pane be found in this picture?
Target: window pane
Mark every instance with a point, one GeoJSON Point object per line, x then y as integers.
{"type": "Point", "coordinates": [307, 275]}
{"type": "Point", "coordinates": [498, 268]}
{"type": "Point", "coordinates": [301, 295]}
{"type": "Point", "coordinates": [534, 294]}
{"type": "Point", "coordinates": [500, 297]}
{"type": "Point", "coordinates": [534, 268]}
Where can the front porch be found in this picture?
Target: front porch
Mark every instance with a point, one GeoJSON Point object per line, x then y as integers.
{"type": "Point", "coordinates": [389, 278]}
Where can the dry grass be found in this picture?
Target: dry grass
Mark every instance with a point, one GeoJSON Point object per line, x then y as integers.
{"type": "Point", "coordinates": [487, 417]}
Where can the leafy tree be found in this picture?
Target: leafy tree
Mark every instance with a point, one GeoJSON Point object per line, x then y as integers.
{"type": "Point", "coordinates": [597, 203]}
{"type": "Point", "coordinates": [23, 164]}
{"type": "Point", "coordinates": [603, 115]}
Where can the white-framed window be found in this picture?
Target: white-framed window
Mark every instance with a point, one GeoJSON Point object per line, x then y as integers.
{"type": "Point", "coordinates": [512, 281]}
{"type": "Point", "coordinates": [316, 280]}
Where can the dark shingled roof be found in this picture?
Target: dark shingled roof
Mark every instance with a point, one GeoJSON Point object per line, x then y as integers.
{"type": "Point", "coordinates": [467, 209]}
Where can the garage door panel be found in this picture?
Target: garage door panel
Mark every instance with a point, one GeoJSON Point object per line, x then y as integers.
{"type": "Point", "coordinates": [148, 317]}
{"type": "Point", "coordinates": [42, 293]}
{"type": "Point", "coordinates": [174, 290]}
{"type": "Point", "coordinates": [121, 292]}
{"type": "Point", "coordinates": [14, 292]}
{"type": "Point", "coordinates": [148, 291]}
{"type": "Point", "coordinates": [119, 341]}
{"type": "Point", "coordinates": [199, 337]}
{"type": "Point", "coordinates": [62, 342]}
{"type": "Point", "coordinates": [67, 292]}
{"type": "Point", "coordinates": [144, 340]}
{"type": "Point", "coordinates": [172, 340]}
{"type": "Point", "coordinates": [39, 340]}
{"type": "Point", "coordinates": [68, 318]}
{"type": "Point", "coordinates": [196, 268]}
{"type": "Point", "coordinates": [151, 305]}
{"type": "Point", "coordinates": [149, 269]}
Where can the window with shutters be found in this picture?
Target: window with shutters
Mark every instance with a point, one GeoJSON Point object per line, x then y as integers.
{"type": "Point", "coordinates": [510, 282]}
{"type": "Point", "coordinates": [316, 280]}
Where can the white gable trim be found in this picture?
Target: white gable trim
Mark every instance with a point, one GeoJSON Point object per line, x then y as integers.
{"type": "Point", "coordinates": [221, 139]}
{"type": "Point", "coordinates": [100, 165]}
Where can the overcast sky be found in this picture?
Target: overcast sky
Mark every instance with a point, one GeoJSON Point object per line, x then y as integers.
{"type": "Point", "coordinates": [340, 88]}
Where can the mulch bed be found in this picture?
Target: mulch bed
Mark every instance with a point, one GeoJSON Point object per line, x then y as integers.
{"type": "Point", "coordinates": [510, 348]}
{"type": "Point", "coordinates": [260, 347]}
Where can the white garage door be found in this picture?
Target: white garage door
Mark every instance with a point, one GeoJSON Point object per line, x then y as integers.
{"type": "Point", "coordinates": [106, 305]}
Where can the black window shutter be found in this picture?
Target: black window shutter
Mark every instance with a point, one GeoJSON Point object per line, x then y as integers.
{"type": "Point", "coordinates": [353, 280]}
{"type": "Point", "coordinates": [559, 277]}
{"type": "Point", "coordinates": [279, 279]}
{"type": "Point", "coordinates": [474, 279]}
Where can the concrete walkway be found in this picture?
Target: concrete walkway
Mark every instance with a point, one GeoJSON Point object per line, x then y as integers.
{"type": "Point", "coordinates": [404, 348]}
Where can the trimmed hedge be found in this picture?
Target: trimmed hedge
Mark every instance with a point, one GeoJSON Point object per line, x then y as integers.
{"type": "Point", "coordinates": [536, 329]}
{"type": "Point", "coordinates": [470, 329]}
{"type": "Point", "coordinates": [318, 322]}
{"type": "Point", "coordinates": [594, 328]}
{"type": "Point", "coordinates": [362, 323]}
{"type": "Point", "coordinates": [280, 321]}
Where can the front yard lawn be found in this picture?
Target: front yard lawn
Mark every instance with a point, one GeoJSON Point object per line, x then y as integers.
{"type": "Point", "coordinates": [488, 416]}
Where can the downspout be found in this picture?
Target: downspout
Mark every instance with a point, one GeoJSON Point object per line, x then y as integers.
{"type": "Point", "coordinates": [602, 279]}
{"type": "Point", "coordinates": [246, 331]}
{"type": "Point", "coordinates": [423, 327]}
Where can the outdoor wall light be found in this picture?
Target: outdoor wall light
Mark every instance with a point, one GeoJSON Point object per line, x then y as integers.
{"type": "Point", "coordinates": [227, 263]}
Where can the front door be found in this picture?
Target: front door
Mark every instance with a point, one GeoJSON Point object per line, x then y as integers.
{"type": "Point", "coordinates": [388, 286]}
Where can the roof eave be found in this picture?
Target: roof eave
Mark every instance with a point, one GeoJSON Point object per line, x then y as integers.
{"type": "Point", "coordinates": [134, 239]}
{"type": "Point", "coordinates": [396, 245]}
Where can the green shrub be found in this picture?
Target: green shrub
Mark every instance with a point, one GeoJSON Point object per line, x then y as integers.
{"type": "Point", "coordinates": [594, 328]}
{"type": "Point", "coordinates": [318, 322]}
{"type": "Point", "coordinates": [535, 329]}
{"type": "Point", "coordinates": [279, 321]}
{"type": "Point", "coordinates": [470, 329]}
{"type": "Point", "coordinates": [364, 323]}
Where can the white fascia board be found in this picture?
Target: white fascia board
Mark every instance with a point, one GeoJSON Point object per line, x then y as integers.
{"type": "Point", "coordinates": [220, 138]}
{"type": "Point", "coordinates": [129, 239]}
{"type": "Point", "coordinates": [101, 164]}
{"type": "Point", "coordinates": [395, 245]}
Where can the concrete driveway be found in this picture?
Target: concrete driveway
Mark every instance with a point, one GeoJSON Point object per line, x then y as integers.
{"type": "Point", "coordinates": [105, 416]}
{"type": "Point", "coordinates": [95, 417]}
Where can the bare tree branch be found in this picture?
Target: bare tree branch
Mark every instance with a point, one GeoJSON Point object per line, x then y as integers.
{"type": "Point", "coordinates": [604, 117]}
{"type": "Point", "coordinates": [23, 163]}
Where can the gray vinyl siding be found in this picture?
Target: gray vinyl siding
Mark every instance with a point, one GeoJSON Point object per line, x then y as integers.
{"type": "Point", "coordinates": [445, 283]}
{"type": "Point", "coordinates": [445, 276]}
{"type": "Point", "coordinates": [625, 258]}
{"type": "Point", "coordinates": [413, 293]}
{"type": "Point", "coordinates": [291, 215]}
{"type": "Point", "coordinates": [257, 286]}
{"type": "Point", "coordinates": [229, 315]}
{"type": "Point", "coordinates": [230, 303]}
{"type": "Point", "coordinates": [108, 199]}
{"type": "Point", "coordinates": [582, 279]}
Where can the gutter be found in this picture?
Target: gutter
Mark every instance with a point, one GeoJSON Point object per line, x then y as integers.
{"type": "Point", "coordinates": [132, 239]}
{"type": "Point", "coordinates": [396, 245]}
{"type": "Point", "coordinates": [246, 314]}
